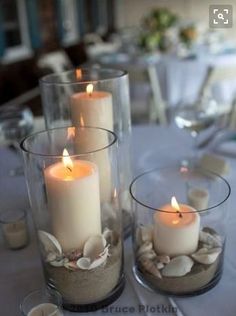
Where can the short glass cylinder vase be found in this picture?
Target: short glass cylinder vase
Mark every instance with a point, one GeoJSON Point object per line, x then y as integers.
{"type": "Point", "coordinates": [73, 186]}
{"type": "Point", "coordinates": [179, 231]}
{"type": "Point", "coordinates": [93, 97]}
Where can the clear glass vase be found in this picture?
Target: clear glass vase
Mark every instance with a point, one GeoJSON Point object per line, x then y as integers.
{"type": "Point", "coordinates": [73, 186]}
{"type": "Point", "coordinates": [98, 98]}
{"type": "Point", "coordinates": [179, 232]}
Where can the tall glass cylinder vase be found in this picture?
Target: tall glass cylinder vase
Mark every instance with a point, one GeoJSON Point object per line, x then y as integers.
{"type": "Point", "coordinates": [180, 229]}
{"type": "Point", "coordinates": [97, 98]}
{"type": "Point", "coordinates": [73, 182]}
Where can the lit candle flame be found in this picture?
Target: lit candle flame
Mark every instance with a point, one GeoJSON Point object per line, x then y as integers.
{"type": "Point", "coordinates": [67, 160]}
{"type": "Point", "coordinates": [78, 73]}
{"type": "Point", "coordinates": [89, 89]}
{"type": "Point", "coordinates": [176, 206]}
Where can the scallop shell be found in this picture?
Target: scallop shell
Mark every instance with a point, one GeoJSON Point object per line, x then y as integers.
{"type": "Point", "coordinates": [206, 256]}
{"type": "Point", "coordinates": [178, 266]}
{"type": "Point", "coordinates": [145, 248]}
{"type": "Point", "coordinates": [94, 246]}
{"type": "Point", "coordinates": [213, 240]}
{"type": "Point", "coordinates": [150, 267]}
{"type": "Point", "coordinates": [50, 243]}
{"type": "Point", "coordinates": [144, 234]}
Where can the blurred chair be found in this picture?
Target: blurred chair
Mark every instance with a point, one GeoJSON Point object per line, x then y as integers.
{"type": "Point", "coordinates": [57, 61]}
{"type": "Point", "coordinates": [95, 46]}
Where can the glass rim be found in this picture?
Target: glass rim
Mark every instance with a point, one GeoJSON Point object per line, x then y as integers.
{"type": "Point", "coordinates": [23, 148]}
{"type": "Point", "coordinates": [54, 292]}
{"type": "Point", "coordinates": [21, 216]}
{"type": "Point", "coordinates": [47, 79]}
{"type": "Point", "coordinates": [168, 168]}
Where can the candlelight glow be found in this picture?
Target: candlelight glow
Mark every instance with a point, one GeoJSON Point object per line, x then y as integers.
{"type": "Point", "coordinates": [67, 160]}
{"type": "Point", "coordinates": [70, 133]}
{"type": "Point", "coordinates": [81, 121]}
{"type": "Point", "coordinates": [78, 73]}
{"type": "Point", "coordinates": [175, 204]}
{"type": "Point", "coordinates": [89, 88]}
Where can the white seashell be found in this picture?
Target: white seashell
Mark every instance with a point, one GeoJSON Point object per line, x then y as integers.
{"type": "Point", "coordinates": [83, 263]}
{"type": "Point", "coordinates": [71, 265]}
{"type": "Point", "coordinates": [51, 257]}
{"type": "Point", "coordinates": [144, 234]}
{"type": "Point", "coordinates": [102, 259]}
{"type": "Point", "coordinates": [163, 259]}
{"type": "Point", "coordinates": [150, 267]}
{"type": "Point", "coordinates": [178, 266]}
{"type": "Point", "coordinates": [144, 248]}
{"type": "Point", "coordinates": [50, 243]}
{"type": "Point", "coordinates": [206, 256]}
{"type": "Point", "coordinates": [94, 246]}
{"type": "Point", "coordinates": [148, 255]}
{"type": "Point", "coordinates": [110, 236]}
{"type": "Point", "coordinates": [59, 263]}
{"type": "Point", "coordinates": [160, 265]}
{"type": "Point", "coordinates": [125, 200]}
{"type": "Point", "coordinates": [210, 239]}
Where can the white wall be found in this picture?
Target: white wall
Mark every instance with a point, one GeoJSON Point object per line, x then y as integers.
{"type": "Point", "coordinates": [130, 12]}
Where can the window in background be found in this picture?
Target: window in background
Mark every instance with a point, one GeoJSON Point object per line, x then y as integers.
{"type": "Point", "coordinates": [15, 40]}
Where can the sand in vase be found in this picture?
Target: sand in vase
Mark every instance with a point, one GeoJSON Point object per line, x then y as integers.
{"type": "Point", "coordinates": [199, 276]}
{"type": "Point", "coordinates": [87, 286]}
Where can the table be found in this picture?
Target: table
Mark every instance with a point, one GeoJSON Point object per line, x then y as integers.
{"type": "Point", "coordinates": [21, 271]}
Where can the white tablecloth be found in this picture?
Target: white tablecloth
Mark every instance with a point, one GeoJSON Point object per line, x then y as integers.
{"type": "Point", "coordinates": [21, 271]}
{"type": "Point", "coordinates": [180, 79]}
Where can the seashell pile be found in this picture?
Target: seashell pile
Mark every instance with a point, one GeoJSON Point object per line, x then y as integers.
{"type": "Point", "coordinates": [93, 255]}
{"type": "Point", "coordinates": [209, 249]}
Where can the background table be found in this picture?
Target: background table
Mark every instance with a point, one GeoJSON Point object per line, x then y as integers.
{"type": "Point", "coordinates": [21, 271]}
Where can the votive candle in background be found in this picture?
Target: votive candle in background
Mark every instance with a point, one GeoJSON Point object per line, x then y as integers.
{"type": "Point", "coordinates": [14, 228]}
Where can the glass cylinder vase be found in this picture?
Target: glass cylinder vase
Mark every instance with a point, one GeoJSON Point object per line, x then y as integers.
{"type": "Point", "coordinates": [73, 186]}
{"type": "Point", "coordinates": [98, 98]}
{"type": "Point", "coordinates": [179, 235]}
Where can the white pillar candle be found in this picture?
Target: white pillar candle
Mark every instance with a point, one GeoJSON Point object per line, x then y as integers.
{"type": "Point", "coordinates": [45, 309]}
{"type": "Point", "coordinates": [198, 198]}
{"type": "Point", "coordinates": [16, 234]}
{"type": "Point", "coordinates": [74, 201]}
{"type": "Point", "coordinates": [176, 229]}
{"type": "Point", "coordinates": [94, 108]}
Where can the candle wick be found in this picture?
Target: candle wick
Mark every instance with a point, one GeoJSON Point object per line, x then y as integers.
{"type": "Point", "coordinates": [90, 94]}
{"type": "Point", "coordinates": [69, 168]}
{"type": "Point", "coordinates": [180, 214]}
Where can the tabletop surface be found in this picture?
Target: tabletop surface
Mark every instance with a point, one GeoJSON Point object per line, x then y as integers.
{"type": "Point", "coordinates": [21, 271]}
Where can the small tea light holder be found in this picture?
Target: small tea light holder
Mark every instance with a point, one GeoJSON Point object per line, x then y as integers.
{"type": "Point", "coordinates": [198, 193]}
{"type": "Point", "coordinates": [178, 249]}
{"type": "Point", "coordinates": [44, 302]}
{"type": "Point", "coordinates": [14, 228]}
{"type": "Point", "coordinates": [76, 209]}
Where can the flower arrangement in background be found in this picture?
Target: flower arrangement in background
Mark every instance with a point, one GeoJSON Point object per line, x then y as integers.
{"type": "Point", "coordinates": [155, 30]}
{"type": "Point", "coordinates": [188, 35]}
